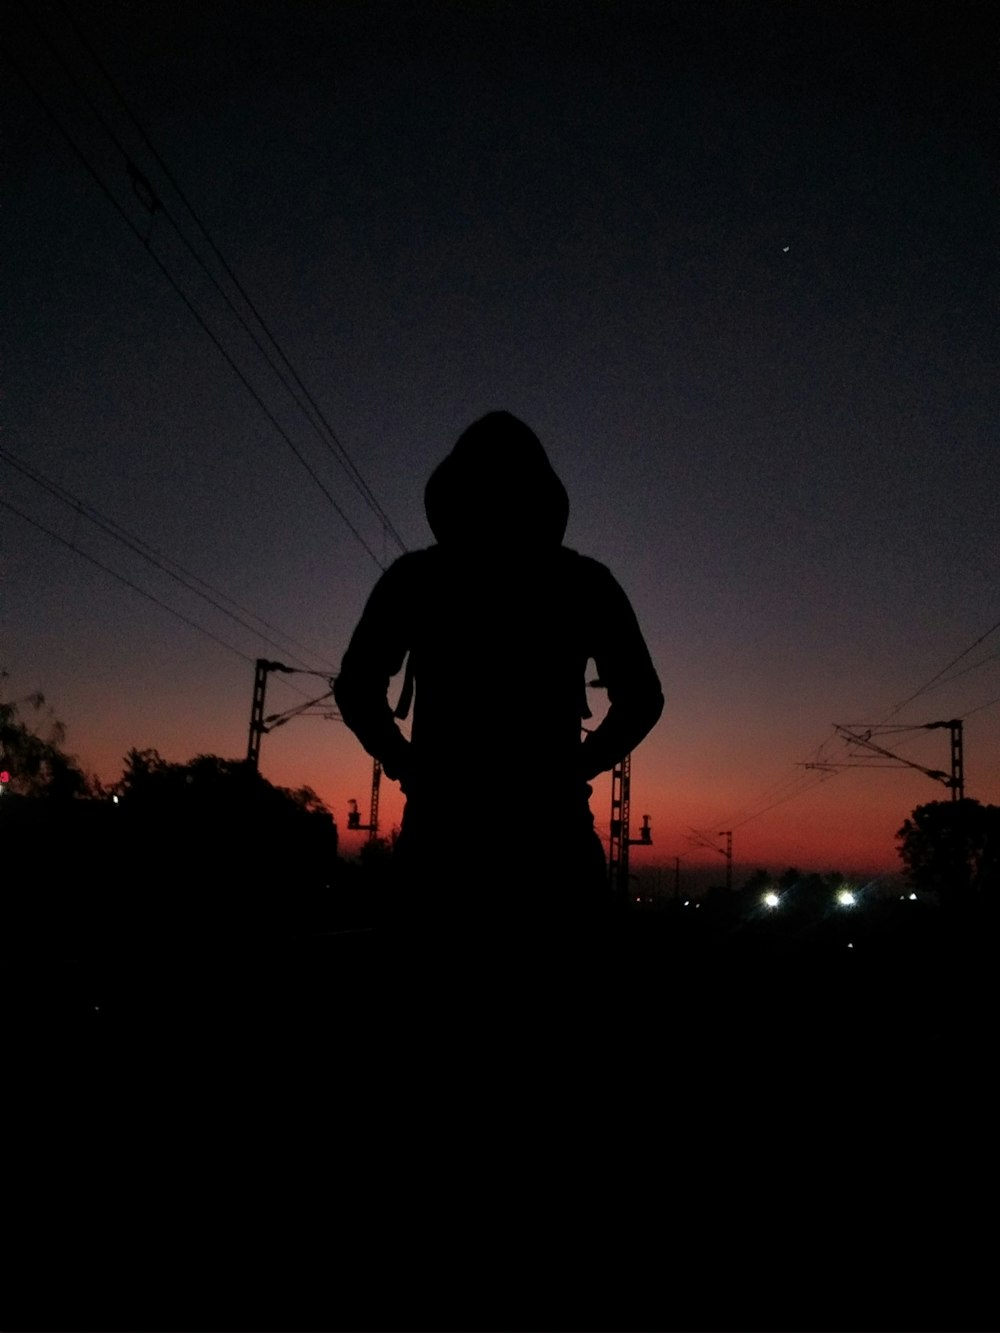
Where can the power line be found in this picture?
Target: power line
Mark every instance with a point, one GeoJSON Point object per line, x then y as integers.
{"type": "Point", "coordinates": [981, 707]}
{"type": "Point", "coordinates": [947, 680]}
{"type": "Point", "coordinates": [938, 674]}
{"type": "Point", "coordinates": [155, 558]}
{"type": "Point", "coordinates": [126, 581]}
{"type": "Point", "coordinates": [102, 186]}
{"type": "Point", "coordinates": [317, 419]}
{"type": "Point", "coordinates": [807, 785]}
{"type": "Point", "coordinates": [779, 792]}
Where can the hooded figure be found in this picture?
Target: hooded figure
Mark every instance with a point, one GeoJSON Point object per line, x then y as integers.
{"type": "Point", "coordinates": [496, 624]}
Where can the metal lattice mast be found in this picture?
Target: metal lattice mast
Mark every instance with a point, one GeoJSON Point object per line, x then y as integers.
{"type": "Point", "coordinates": [354, 814]}
{"type": "Point", "coordinates": [373, 808]}
{"type": "Point", "coordinates": [621, 781]}
{"type": "Point", "coordinates": [957, 783]}
{"type": "Point", "coordinates": [258, 728]}
{"type": "Point", "coordinates": [728, 854]}
{"type": "Point", "coordinates": [863, 738]}
{"type": "Point", "coordinates": [257, 713]}
{"type": "Point", "coordinates": [621, 841]}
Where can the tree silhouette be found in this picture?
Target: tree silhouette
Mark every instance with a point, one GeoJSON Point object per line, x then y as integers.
{"type": "Point", "coordinates": [756, 884]}
{"type": "Point", "coordinates": [225, 813]}
{"type": "Point", "coordinates": [34, 757]}
{"type": "Point", "coordinates": [952, 848]}
{"type": "Point", "coordinates": [212, 843]}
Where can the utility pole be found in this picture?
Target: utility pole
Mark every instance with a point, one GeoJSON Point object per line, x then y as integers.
{"type": "Point", "coordinates": [728, 854]}
{"type": "Point", "coordinates": [258, 726]}
{"type": "Point", "coordinates": [261, 725]}
{"type": "Point", "coordinates": [354, 814]}
{"type": "Point", "coordinates": [620, 842]}
{"type": "Point", "coordinates": [957, 781]}
{"type": "Point", "coordinates": [862, 736]}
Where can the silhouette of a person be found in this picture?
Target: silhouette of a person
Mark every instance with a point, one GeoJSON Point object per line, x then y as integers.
{"type": "Point", "coordinates": [496, 623]}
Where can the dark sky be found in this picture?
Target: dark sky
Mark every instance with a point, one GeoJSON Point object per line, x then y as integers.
{"type": "Point", "coordinates": [735, 264]}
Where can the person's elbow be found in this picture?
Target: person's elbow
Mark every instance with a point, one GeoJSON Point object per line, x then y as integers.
{"type": "Point", "coordinates": [354, 696]}
{"type": "Point", "coordinates": [342, 693]}
{"type": "Point", "coordinates": [652, 708]}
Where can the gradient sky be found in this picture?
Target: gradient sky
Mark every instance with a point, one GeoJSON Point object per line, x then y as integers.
{"type": "Point", "coordinates": [735, 264]}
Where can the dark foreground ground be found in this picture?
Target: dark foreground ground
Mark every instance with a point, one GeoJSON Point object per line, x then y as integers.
{"type": "Point", "coordinates": [646, 1131]}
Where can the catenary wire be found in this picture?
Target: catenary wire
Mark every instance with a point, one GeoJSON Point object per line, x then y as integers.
{"type": "Point", "coordinates": [91, 171]}
{"type": "Point", "coordinates": [153, 557]}
{"type": "Point", "coordinates": [938, 674]}
{"type": "Point", "coordinates": [313, 412]}
{"type": "Point", "coordinates": [331, 439]}
{"type": "Point", "coordinates": [754, 813]}
{"type": "Point", "coordinates": [126, 581]}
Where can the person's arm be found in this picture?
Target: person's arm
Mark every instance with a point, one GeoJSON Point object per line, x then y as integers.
{"type": "Point", "coordinates": [375, 654]}
{"type": "Point", "coordinates": [626, 670]}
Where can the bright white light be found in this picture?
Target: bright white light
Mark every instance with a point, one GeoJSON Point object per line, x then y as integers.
{"type": "Point", "coordinates": [771, 899]}
{"type": "Point", "coordinates": [114, 800]}
{"type": "Point", "coordinates": [846, 898]}
{"type": "Point", "coordinates": [913, 897]}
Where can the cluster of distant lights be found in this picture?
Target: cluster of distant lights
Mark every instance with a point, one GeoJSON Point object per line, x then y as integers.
{"type": "Point", "coordinates": [846, 897]}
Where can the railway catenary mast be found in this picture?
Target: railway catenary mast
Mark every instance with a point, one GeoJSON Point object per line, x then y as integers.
{"type": "Point", "coordinates": [620, 841]}
{"type": "Point", "coordinates": [862, 736]}
{"type": "Point", "coordinates": [261, 725]}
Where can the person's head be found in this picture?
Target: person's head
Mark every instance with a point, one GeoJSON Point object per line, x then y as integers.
{"type": "Point", "coordinates": [497, 487]}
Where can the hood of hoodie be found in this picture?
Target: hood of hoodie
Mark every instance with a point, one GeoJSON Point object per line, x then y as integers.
{"type": "Point", "coordinates": [497, 488]}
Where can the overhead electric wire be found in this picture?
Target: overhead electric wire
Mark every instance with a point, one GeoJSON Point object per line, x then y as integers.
{"type": "Point", "coordinates": [312, 412]}
{"type": "Point", "coordinates": [780, 792]}
{"type": "Point", "coordinates": [947, 680]}
{"type": "Point", "coordinates": [156, 558]}
{"type": "Point", "coordinates": [301, 710]}
{"type": "Point", "coordinates": [332, 440]}
{"type": "Point", "coordinates": [91, 171]}
{"type": "Point", "coordinates": [752, 812]}
{"type": "Point", "coordinates": [122, 578]}
{"type": "Point", "coordinates": [144, 592]}
{"type": "Point", "coordinates": [938, 674]}
{"type": "Point", "coordinates": [981, 707]}
{"type": "Point", "coordinates": [781, 800]}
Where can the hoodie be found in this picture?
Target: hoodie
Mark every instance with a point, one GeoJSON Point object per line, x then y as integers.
{"type": "Point", "coordinates": [497, 622]}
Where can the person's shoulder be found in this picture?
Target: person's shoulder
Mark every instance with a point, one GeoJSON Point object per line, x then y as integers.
{"type": "Point", "coordinates": [410, 565]}
{"type": "Point", "coordinates": [400, 582]}
{"type": "Point", "coordinates": [585, 569]}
